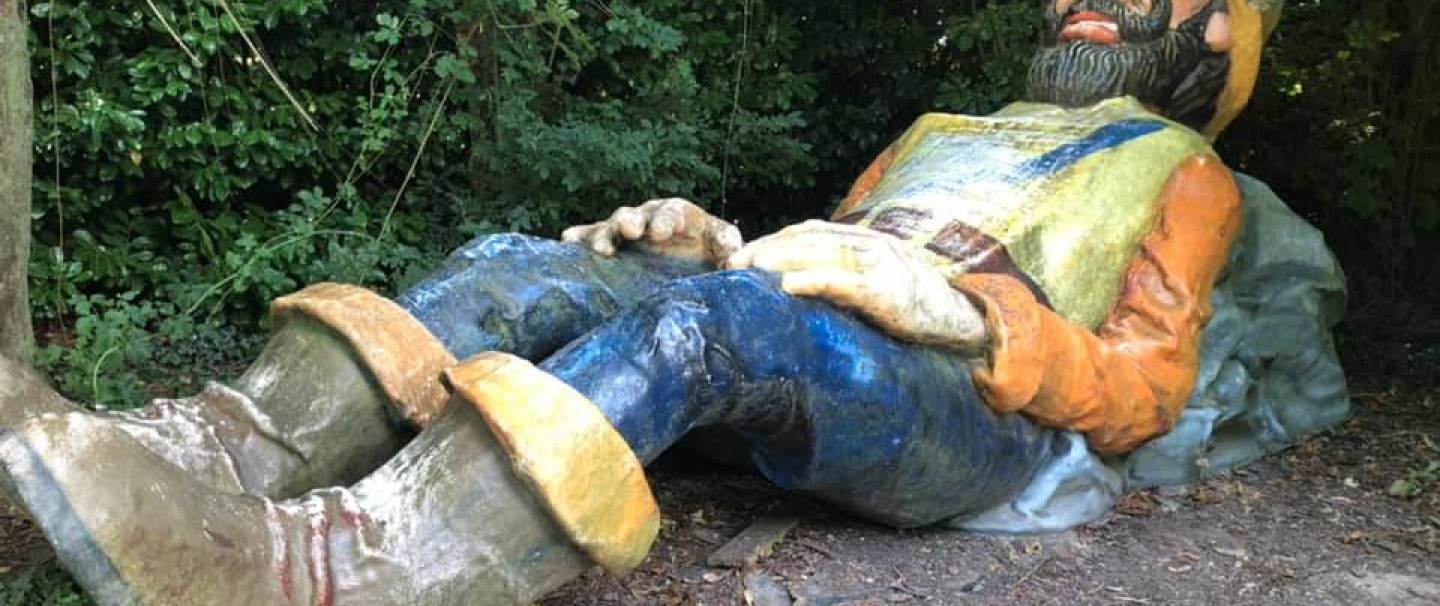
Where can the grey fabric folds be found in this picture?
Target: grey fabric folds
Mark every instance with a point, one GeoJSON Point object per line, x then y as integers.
{"type": "Point", "coordinates": [1269, 377]}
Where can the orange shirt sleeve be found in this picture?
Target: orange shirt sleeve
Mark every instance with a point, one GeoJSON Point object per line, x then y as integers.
{"type": "Point", "coordinates": [1128, 381]}
{"type": "Point", "coordinates": [865, 183]}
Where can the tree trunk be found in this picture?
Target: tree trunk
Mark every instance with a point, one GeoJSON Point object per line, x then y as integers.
{"type": "Point", "coordinates": [16, 337]}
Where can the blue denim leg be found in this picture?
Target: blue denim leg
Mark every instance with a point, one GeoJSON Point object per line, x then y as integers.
{"type": "Point", "coordinates": [530, 296]}
{"type": "Point", "coordinates": [891, 431]}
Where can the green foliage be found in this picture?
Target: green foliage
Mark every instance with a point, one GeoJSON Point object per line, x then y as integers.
{"type": "Point", "coordinates": [1343, 125]}
{"type": "Point", "coordinates": [1420, 479]}
{"type": "Point", "coordinates": [122, 351]}
{"type": "Point", "coordinates": [176, 157]}
{"type": "Point", "coordinates": [48, 586]}
{"type": "Point", "coordinates": [196, 160]}
{"type": "Point", "coordinates": [179, 180]}
{"type": "Point", "coordinates": [997, 41]}
{"type": "Point", "coordinates": [1416, 482]}
{"type": "Point", "coordinates": [110, 334]}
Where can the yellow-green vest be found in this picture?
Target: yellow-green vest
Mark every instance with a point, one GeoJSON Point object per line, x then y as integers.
{"type": "Point", "coordinates": [1069, 193]}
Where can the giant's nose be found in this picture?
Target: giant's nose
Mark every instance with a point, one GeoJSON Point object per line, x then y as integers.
{"type": "Point", "coordinates": [1185, 9]}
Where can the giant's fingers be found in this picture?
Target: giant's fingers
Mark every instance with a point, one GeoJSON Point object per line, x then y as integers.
{"type": "Point", "coordinates": [602, 239]}
{"type": "Point", "coordinates": [576, 234]}
{"type": "Point", "coordinates": [596, 236]}
{"type": "Point", "coordinates": [843, 288]}
{"type": "Point", "coordinates": [723, 239]}
{"type": "Point", "coordinates": [629, 222]}
{"type": "Point", "coordinates": [967, 321]}
{"type": "Point", "coordinates": [841, 230]}
{"type": "Point", "coordinates": [668, 220]}
{"type": "Point", "coordinates": [783, 254]}
{"type": "Point", "coordinates": [745, 257]}
{"type": "Point", "coordinates": [748, 255]}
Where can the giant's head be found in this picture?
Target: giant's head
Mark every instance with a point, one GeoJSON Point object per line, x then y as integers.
{"type": "Point", "coordinates": [1193, 60]}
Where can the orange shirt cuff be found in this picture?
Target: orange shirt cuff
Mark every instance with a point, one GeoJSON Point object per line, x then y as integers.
{"type": "Point", "coordinates": [1017, 358]}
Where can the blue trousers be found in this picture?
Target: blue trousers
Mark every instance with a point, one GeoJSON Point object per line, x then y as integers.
{"type": "Point", "coordinates": [826, 404]}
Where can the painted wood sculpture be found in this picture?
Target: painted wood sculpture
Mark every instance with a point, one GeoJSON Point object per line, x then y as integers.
{"type": "Point", "coordinates": [1003, 325]}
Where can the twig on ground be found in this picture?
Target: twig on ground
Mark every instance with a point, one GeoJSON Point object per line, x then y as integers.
{"type": "Point", "coordinates": [816, 547]}
{"type": "Point", "coordinates": [904, 587]}
{"type": "Point", "coordinates": [1031, 573]}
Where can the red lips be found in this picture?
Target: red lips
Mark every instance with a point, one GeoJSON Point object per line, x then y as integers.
{"type": "Point", "coordinates": [1091, 26]}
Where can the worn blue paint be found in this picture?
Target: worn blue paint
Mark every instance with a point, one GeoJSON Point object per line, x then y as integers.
{"type": "Point", "coordinates": [826, 404]}
{"type": "Point", "coordinates": [1106, 137]}
{"type": "Point", "coordinates": [529, 296]}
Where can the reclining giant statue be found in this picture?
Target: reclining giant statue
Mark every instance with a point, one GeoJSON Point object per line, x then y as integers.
{"type": "Point", "coordinates": [1009, 320]}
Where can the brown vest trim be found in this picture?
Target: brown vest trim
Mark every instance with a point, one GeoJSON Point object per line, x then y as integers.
{"type": "Point", "coordinates": [981, 254]}
{"type": "Point", "coordinates": [962, 243]}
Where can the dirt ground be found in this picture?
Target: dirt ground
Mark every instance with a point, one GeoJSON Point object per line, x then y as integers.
{"type": "Point", "coordinates": [1311, 526]}
{"type": "Point", "coordinates": [1314, 525]}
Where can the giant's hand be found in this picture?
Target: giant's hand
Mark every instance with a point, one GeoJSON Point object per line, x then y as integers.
{"type": "Point", "coordinates": [889, 282]}
{"type": "Point", "coordinates": [672, 227]}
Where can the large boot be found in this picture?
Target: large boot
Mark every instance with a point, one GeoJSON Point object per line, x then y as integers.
{"type": "Point", "coordinates": [24, 396]}
{"type": "Point", "coordinates": [332, 397]}
{"type": "Point", "coordinates": [519, 486]}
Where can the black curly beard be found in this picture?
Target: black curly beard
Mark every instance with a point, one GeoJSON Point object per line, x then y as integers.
{"type": "Point", "coordinates": [1172, 70]}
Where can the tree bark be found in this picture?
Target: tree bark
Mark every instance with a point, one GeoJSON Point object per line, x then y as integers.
{"type": "Point", "coordinates": [16, 333]}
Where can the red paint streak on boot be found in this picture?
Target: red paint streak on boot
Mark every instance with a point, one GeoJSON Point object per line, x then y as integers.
{"type": "Point", "coordinates": [318, 534]}
{"type": "Point", "coordinates": [279, 551]}
{"type": "Point", "coordinates": [354, 518]}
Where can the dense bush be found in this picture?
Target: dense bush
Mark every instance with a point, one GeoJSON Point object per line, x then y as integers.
{"type": "Point", "coordinates": [1345, 127]}
{"type": "Point", "coordinates": [196, 159]}
{"type": "Point", "coordinates": [188, 165]}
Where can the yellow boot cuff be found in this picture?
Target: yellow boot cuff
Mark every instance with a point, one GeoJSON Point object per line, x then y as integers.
{"type": "Point", "coordinates": [568, 454]}
{"type": "Point", "coordinates": [401, 355]}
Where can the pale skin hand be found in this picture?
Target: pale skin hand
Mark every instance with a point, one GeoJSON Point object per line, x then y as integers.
{"type": "Point", "coordinates": [672, 227]}
{"type": "Point", "coordinates": [891, 283]}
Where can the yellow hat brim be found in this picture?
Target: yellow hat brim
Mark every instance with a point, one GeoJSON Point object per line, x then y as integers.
{"type": "Point", "coordinates": [1249, 28]}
